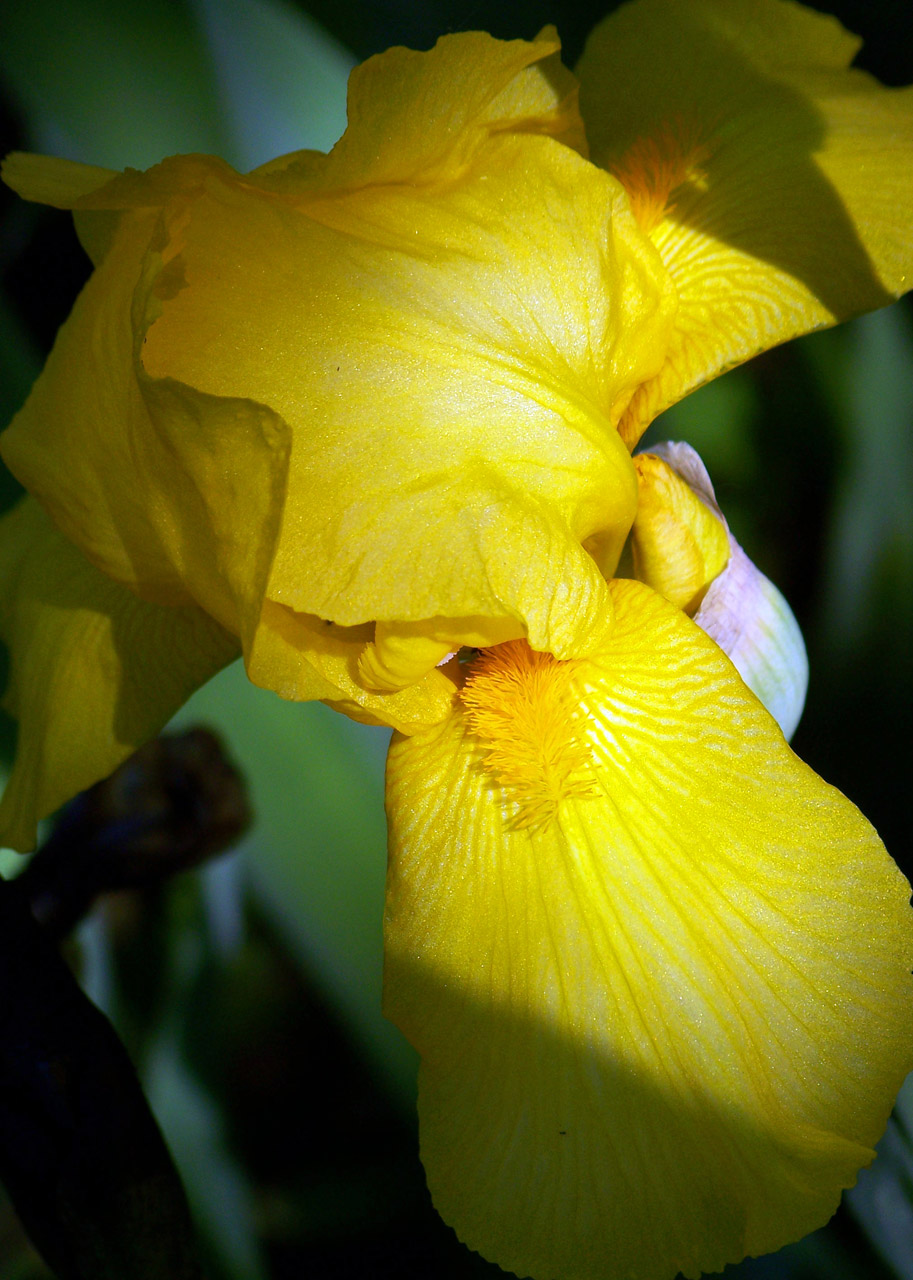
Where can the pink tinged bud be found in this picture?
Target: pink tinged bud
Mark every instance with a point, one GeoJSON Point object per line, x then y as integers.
{"type": "Point", "coordinates": [746, 615]}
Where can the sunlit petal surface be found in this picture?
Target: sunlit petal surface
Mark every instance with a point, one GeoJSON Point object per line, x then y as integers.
{"type": "Point", "coordinates": [416, 347]}
{"type": "Point", "coordinates": [662, 1028]}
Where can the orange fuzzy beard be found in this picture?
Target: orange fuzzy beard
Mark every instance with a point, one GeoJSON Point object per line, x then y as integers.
{"type": "Point", "coordinates": [522, 705]}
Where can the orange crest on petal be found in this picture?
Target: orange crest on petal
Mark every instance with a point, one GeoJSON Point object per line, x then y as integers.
{"type": "Point", "coordinates": [655, 167]}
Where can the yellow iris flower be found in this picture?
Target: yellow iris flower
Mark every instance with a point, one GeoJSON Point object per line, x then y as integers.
{"type": "Point", "coordinates": [353, 414]}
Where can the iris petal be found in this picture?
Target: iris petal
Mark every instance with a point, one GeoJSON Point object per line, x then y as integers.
{"type": "Point", "coordinates": [94, 671]}
{"type": "Point", "coordinates": [680, 544]}
{"type": "Point", "coordinates": [397, 368]}
{"type": "Point", "coordinates": [51, 180]}
{"type": "Point", "coordinates": [302, 657]}
{"type": "Point", "coordinates": [776, 182]}
{"type": "Point", "coordinates": [662, 1030]}
{"type": "Point", "coordinates": [450, 359]}
{"type": "Point", "coordinates": [415, 117]}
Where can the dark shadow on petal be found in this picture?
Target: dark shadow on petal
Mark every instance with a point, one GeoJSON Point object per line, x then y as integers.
{"type": "Point", "coordinates": [550, 1157]}
{"type": "Point", "coordinates": [760, 188]}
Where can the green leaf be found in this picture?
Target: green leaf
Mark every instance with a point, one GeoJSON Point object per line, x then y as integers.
{"type": "Point", "coordinates": [112, 84]}
{"type": "Point", "coordinates": [282, 79]}
{"type": "Point", "coordinates": [871, 538]}
{"type": "Point", "coordinates": [882, 1200]}
{"type": "Point", "coordinates": [120, 85]}
{"type": "Point", "coordinates": [194, 1130]}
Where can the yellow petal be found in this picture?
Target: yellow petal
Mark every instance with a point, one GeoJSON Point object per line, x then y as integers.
{"type": "Point", "coordinates": [420, 117]}
{"type": "Point", "coordinates": [98, 197]}
{"type": "Point", "coordinates": [776, 183]}
{"type": "Point", "coordinates": [50, 180]}
{"type": "Point", "coordinates": [67, 184]}
{"type": "Point", "coordinates": [400, 654]}
{"type": "Point", "coordinates": [403, 652]}
{"type": "Point", "coordinates": [302, 657]}
{"type": "Point", "coordinates": [679, 543]}
{"type": "Point", "coordinates": [451, 358]}
{"type": "Point", "coordinates": [663, 1027]}
{"type": "Point", "coordinates": [179, 494]}
{"type": "Point", "coordinates": [94, 671]}
{"type": "Point", "coordinates": [173, 493]}
{"type": "Point", "coordinates": [74, 443]}
{"type": "Point", "coordinates": [390, 376]}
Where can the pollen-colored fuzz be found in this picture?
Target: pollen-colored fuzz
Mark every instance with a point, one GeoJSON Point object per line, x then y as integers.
{"type": "Point", "coordinates": [523, 706]}
{"type": "Point", "coordinates": [655, 167]}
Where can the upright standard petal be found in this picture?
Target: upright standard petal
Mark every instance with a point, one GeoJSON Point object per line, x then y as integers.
{"type": "Point", "coordinates": [451, 358]}
{"type": "Point", "coordinates": [397, 369]}
{"type": "Point", "coordinates": [657, 970]}
{"type": "Point", "coordinates": [94, 671]}
{"type": "Point", "coordinates": [420, 117]}
{"type": "Point", "coordinates": [776, 182]}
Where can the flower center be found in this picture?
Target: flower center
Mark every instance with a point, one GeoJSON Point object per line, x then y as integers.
{"type": "Point", "coordinates": [522, 705]}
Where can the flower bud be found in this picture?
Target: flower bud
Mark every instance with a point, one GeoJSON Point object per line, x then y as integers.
{"type": "Point", "coordinates": [739, 608]}
{"type": "Point", "coordinates": [679, 543]}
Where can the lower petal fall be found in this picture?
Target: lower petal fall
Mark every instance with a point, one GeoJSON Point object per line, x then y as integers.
{"type": "Point", "coordinates": [663, 1030]}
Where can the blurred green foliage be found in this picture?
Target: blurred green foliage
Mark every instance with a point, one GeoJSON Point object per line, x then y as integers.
{"type": "Point", "coordinates": [249, 994]}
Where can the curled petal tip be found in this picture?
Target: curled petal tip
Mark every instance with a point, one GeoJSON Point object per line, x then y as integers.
{"type": "Point", "coordinates": [680, 542]}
